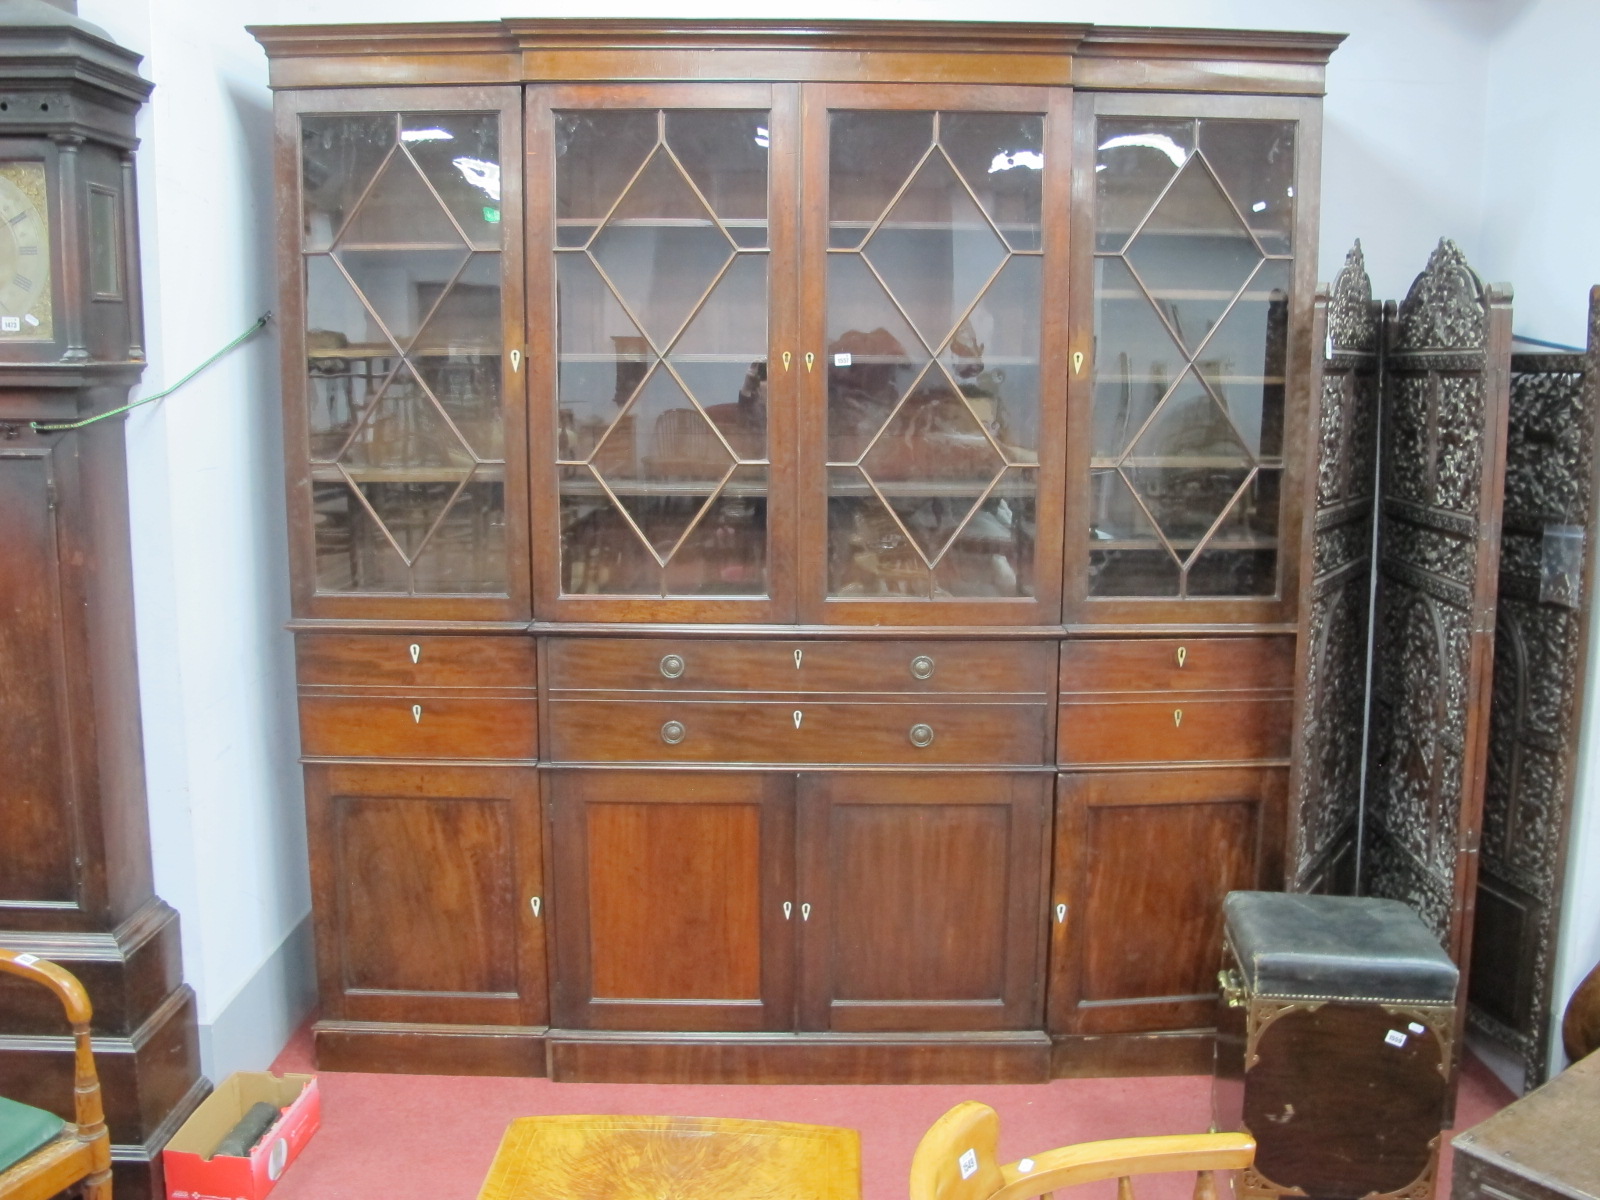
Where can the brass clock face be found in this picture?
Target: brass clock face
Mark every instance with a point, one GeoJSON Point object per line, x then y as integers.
{"type": "Point", "coordinates": [24, 254]}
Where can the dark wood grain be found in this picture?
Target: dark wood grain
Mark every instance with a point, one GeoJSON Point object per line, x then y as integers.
{"type": "Point", "coordinates": [446, 727]}
{"type": "Point", "coordinates": [766, 731]}
{"type": "Point", "coordinates": [748, 665]}
{"type": "Point", "coordinates": [385, 660]}
{"type": "Point", "coordinates": [925, 900]}
{"type": "Point", "coordinates": [1176, 728]}
{"type": "Point", "coordinates": [1177, 664]}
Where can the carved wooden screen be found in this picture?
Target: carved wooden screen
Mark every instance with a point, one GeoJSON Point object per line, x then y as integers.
{"type": "Point", "coordinates": [1546, 564]}
{"type": "Point", "coordinates": [1325, 820]}
{"type": "Point", "coordinates": [1443, 452]}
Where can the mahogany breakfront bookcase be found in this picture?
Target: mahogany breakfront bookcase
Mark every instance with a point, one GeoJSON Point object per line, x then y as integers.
{"type": "Point", "coordinates": [797, 536]}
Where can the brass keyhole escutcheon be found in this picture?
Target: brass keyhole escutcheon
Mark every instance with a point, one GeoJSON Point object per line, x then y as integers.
{"type": "Point", "coordinates": [1077, 362]}
{"type": "Point", "coordinates": [672, 665]}
{"type": "Point", "coordinates": [811, 361]}
{"type": "Point", "coordinates": [798, 715]}
{"type": "Point", "coordinates": [1177, 717]}
{"type": "Point", "coordinates": [798, 655]}
{"type": "Point", "coordinates": [922, 667]}
{"type": "Point", "coordinates": [1183, 655]}
{"type": "Point", "coordinates": [416, 653]}
{"type": "Point", "coordinates": [787, 359]}
{"type": "Point", "coordinates": [673, 732]}
{"type": "Point", "coordinates": [921, 735]}
{"type": "Point", "coordinates": [416, 714]}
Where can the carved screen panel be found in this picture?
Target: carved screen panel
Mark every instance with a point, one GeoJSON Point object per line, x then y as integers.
{"type": "Point", "coordinates": [1546, 552]}
{"type": "Point", "coordinates": [1324, 823]}
{"type": "Point", "coordinates": [1443, 437]}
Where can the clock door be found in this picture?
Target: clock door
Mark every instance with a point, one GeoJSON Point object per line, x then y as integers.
{"type": "Point", "coordinates": [403, 361]}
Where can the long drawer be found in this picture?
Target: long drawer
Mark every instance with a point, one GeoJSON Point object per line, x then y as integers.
{"type": "Point", "coordinates": [419, 726]}
{"type": "Point", "coordinates": [414, 660]}
{"type": "Point", "coordinates": [1173, 729]}
{"type": "Point", "coordinates": [1177, 664]}
{"type": "Point", "coordinates": [758, 665]}
{"type": "Point", "coordinates": [796, 732]}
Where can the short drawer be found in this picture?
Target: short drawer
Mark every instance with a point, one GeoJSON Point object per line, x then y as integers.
{"type": "Point", "coordinates": [1183, 729]}
{"type": "Point", "coordinates": [768, 732]}
{"type": "Point", "coordinates": [418, 727]}
{"type": "Point", "coordinates": [1177, 664]}
{"type": "Point", "coordinates": [902, 666]}
{"type": "Point", "coordinates": [421, 660]}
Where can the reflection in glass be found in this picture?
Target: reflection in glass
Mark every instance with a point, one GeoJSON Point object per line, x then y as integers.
{"type": "Point", "coordinates": [934, 289]}
{"type": "Point", "coordinates": [662, 340]}
{"type": "Point", "coordinates": [403, 343]}
{"type": "Point", "coordinates": [1192, 275]}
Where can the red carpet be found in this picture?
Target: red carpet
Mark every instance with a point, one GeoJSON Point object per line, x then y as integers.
{"type": "Point", "coordinates": [422, 1137]}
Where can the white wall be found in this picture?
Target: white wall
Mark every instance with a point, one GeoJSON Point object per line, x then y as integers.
{"type": "Point", "coordinates": [210, 582]}
{"type": "Point", "coordinates": [1443, 118]}
{"type": "Point", "coordinates": [1541, 179]}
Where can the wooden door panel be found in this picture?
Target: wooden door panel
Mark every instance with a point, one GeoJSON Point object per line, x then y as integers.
{"type": "Point", "coordinates": [922, 901]}
{"type": "Point", "coordinates": [667, 897]}
{"type": "Point", "coordinates": [1143, 861]}
{"type": "Point", "coordinates": [423, 881]}
{"type": "Point", "coordinates": [36, 809]}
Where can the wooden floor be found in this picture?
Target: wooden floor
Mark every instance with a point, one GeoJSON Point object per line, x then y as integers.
{"type": "Point", "coordinates": [417, 1137]}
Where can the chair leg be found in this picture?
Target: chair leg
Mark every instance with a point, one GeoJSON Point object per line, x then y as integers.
{"type": "Point", "coordinates": [97, 1186]}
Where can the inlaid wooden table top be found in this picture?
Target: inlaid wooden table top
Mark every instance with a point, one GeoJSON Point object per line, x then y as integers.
{"type": "Point", "coordinates": [673, 1158]}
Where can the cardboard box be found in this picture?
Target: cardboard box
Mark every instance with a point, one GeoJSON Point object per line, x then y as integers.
{"type": "Point", "coordinates": [191, 1177]}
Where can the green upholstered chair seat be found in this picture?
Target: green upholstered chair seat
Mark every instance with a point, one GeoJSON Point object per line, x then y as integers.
{"type": "Point", "coordinates": [24, 1129]}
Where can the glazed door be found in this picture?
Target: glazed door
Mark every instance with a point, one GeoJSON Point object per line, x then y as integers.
{"type": "Point", "coordinates": [1143, 860]}
{"type": "Point", "coordinates": [424, 881]}
{"type": "Point", "coordinates": [1193, 253]}
{"type": "Point", "coordinates": [933, 386]}
{"type": "Point", "coordinates": [922, 901]}
{"type": "Point", "coordinates": [673, 902]}
{"type": "Point", "coordinates": [660, 350]}
{"type": "Point", "coordinates": [403, 380]}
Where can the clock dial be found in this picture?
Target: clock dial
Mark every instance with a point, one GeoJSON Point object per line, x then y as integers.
{"type": "Point", "coordinates": [25, 313]}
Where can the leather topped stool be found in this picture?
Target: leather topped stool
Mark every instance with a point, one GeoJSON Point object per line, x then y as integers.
{"type": "Point", "coordinates": [1334, 1045]}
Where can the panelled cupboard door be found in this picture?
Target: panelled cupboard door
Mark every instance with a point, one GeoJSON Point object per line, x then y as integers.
{"type": "Point", "coordinates": [403, 363]}
{"type": "Point", "coordinates": [672, 896]}
{"type": "Point", "coordinates": [932, 387]}
{"type": "Point", "coordinates": [922, 901]}
{"type": "Point", "coordinates": [1194, 247]}
{"type": "Point", "coordinates": [1143, 860]}
{"type": "Point", "coordinates": [423, 881]}
{"type": "Point", "coordinates": [662, 366]}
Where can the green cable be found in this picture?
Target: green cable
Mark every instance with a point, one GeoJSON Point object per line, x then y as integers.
{"type": "Point", "coordinates": [54, 427]}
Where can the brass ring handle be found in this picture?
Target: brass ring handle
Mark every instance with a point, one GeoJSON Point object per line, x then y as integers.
{"type": "Point", "coordinates": [671, 665]}
{"type": "Point", "coordinates": [922, 667]}
{"type": "Point", "coordinates": [921, 735]}
{"type": "Point", "coordinates": [673, 732]}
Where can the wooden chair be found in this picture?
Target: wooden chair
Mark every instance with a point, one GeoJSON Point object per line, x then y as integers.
{"type": "Point", "coordinates": [79, 1157]}
{"type": "Point", "coordinates": [962, 1143]}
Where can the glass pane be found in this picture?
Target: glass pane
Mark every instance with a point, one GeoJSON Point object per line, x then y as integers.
{"type": "Point", "coordinates": [404, 429]}
{"type": "Point", "coordinates": [1135, 159]}
{"type": "Point", "coordinates": [596, 154]}
{"type": "Point", "coordinates": [662, 336]}
{"type": "Point", "coordinates": [726, 552]}
{"type": "Point", "coordinates": [459, 154]}
{"type": "Point", "coordinates": [661, 249]}
{"type": "Point", "coordinates": [1001, 158]}
{"type": "Point", "coordinates": [869, 552]}
{"type": "Point", "coordinates": [339, 155]}
{"type": "Point", "coordinates": [353, 555]}
{"type": "Point", "coordinates": [400, 287]}
{"type": "Point", "coordinates": [935, 251]}
{"type": "Point", "coordinates": [467, 387]}
{"type": "Point", "coordinates": [933, 438]}
{"type": "Point", "coordinates": [1255, 161]}
{"type": "Point", "coordinates": [1241, 559]}
{"type": "Point", "coordinates": [870, 156]}
{"type": "Point", "coordinates": [399, 210]}
{"type": "Point", "coordinates": [994, 359]}
{"type": "Point", "coordinates": [1191, 326]}
{"type": "Point", "coordinates": [873, 357]}
{"type": "Point", "coordinates": [992, 556]}
{"type": "Point", "coordinates": [725, 154]}
{"type": "Point", "coordinates": [467, 552]}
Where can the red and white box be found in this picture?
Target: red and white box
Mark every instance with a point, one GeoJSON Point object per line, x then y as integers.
{"type": "Point", "coordinates": [191, 1176]}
